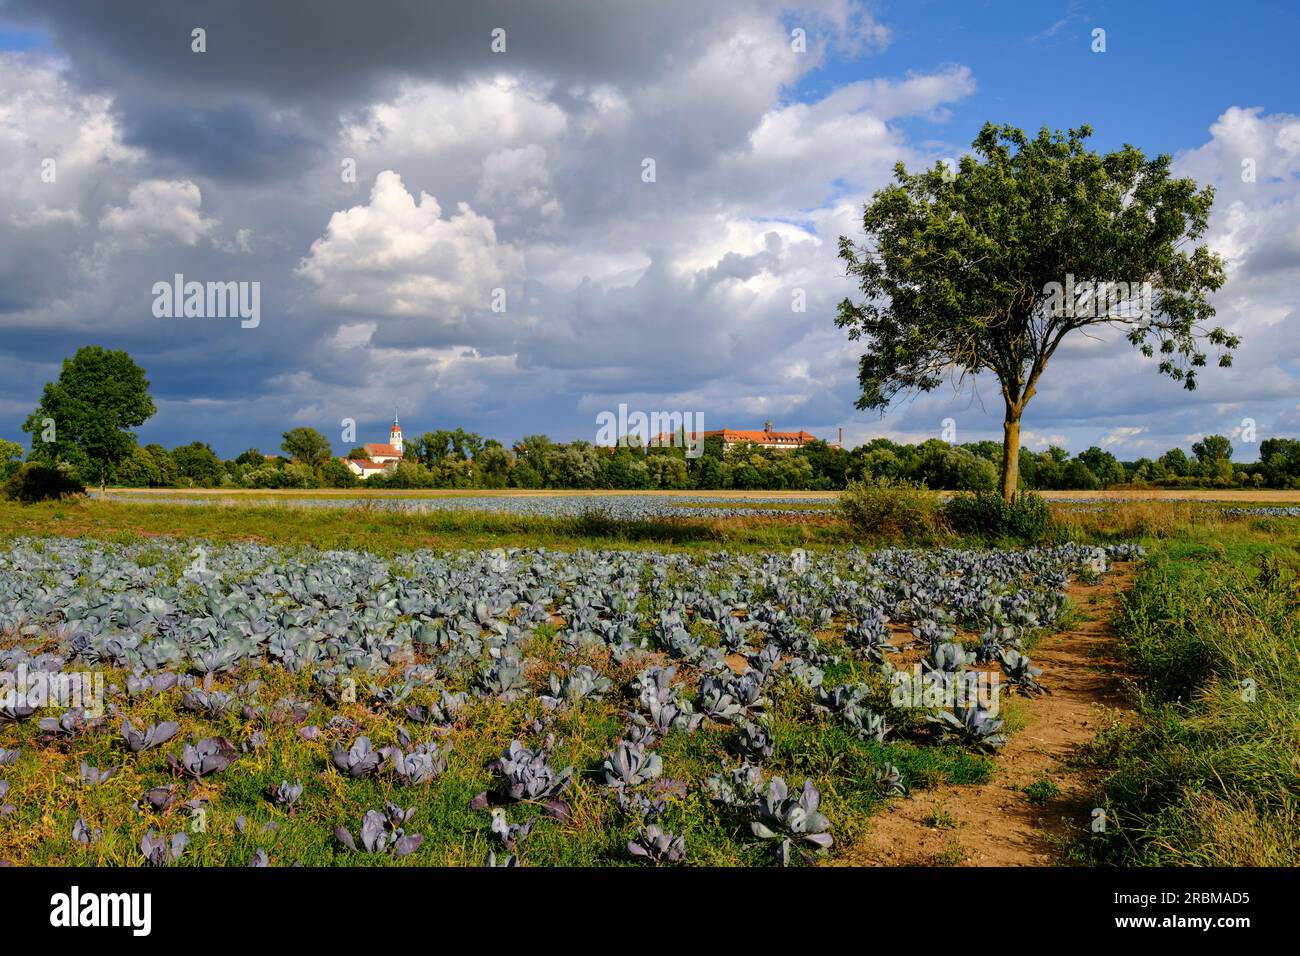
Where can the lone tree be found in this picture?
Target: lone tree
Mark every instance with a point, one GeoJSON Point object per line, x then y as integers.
{"type": "Point", "coordinates": [84, 418]}
{"type": "Point", "coordinates": [307, 445]}
{"type": "Point", "coordinates": [989, 266]}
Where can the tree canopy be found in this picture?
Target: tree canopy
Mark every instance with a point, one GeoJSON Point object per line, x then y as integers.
{"type": "Point", "coordinates": [85, 418]}
{"type": "Point", "coordinates": [986, 269]}
{"type": "Point", "coordinates": [307, 446]}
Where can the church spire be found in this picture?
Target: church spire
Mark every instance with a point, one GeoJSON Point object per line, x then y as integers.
{"type": "Point", "coordinates": [395, 437]}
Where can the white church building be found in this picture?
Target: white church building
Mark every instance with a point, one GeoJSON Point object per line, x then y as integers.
{"type": "Point", "coordinates": [380, 459]}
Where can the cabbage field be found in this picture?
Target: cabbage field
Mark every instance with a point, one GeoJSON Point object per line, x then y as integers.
{"type": "Point", "coordinates": [266, 706]}
{"type": "Point", "coordinates": [623, 507]}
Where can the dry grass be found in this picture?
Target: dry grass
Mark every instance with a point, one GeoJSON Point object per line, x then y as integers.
{"type": "Point", "coordinates": [1133, 520]}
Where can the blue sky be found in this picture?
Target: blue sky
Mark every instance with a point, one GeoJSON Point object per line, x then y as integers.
{"type": "Point", "coordinates": [1168, 71]}
{"type": "Point", "coordinates": [522, 172]}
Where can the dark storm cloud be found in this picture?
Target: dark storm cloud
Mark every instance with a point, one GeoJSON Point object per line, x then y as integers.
{"type": "Point", "coordinates": [236, 141]}
{"type": "Point", "coordinates": [327, 53]}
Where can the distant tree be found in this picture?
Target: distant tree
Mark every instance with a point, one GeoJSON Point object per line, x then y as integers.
{"type": "Point", "coordinates": [990, 450]}
{"type": "Point", "coordinates": [1280, 461]}
{"type": "Point", "coordinates": [1212, 448]}
{"type": "Point", "coordinates": [710, 471]}
{"type": "Point", "coordinates": [1214, 458]}
{"type": "Point", "coordinates": [492, 466]}
{"type": "Point", "coordinates": [626, 470]}
{"type": "Point", "coordinates": [137, 470]}
{"type": "Point", "coordinates": [306, 445]}
{"type": "Point", "coordinates": [1104, 466]}
{"type": "Point", "coordinates": [667, 471]}
{"type": "Point", "coordinates": [575, 465]}
{"type": "Point", "coordinates": [359, 453]}
{"type": "Point", "coordinates": [11, 456]}
{"type": "Point", "coordinates": [198, 463]}
{"type": "Point", "coordinates": [100, 395]}
{"type": "Point", "coordinates": [964, 273]}
{"type": "Point", "coordinates": [335, 474]}
{"type": "Point", "coordinates": [829, 463]}
{"type": "Point", "coordinates": [299, 474]}
{"type": "Point", "coordinates": [1077, 477]}
{"type": "Point", "coordinates": [268, 476]}
{"type": "Point", "coordinates": [166, 464]}
{"type": "Point", "coordinates": [1175, 462]}
{"type": "Point", "coordinates": [878, 463]}
{"type": "Point", "coordinates": [531, 461]}
{"type": "Point", "coordinates": [252, 458]}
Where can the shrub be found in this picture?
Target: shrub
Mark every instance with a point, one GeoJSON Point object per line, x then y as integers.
{"type": "Point", "coordinates": [984, 513]}
{"type": "Point", "coordinates": [891, 509]}
{"type": "Point", "coordinates": [35, 482]}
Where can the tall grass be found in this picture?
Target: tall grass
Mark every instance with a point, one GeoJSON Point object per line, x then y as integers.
{"type": "Point", "coordinates": [1209, 774]}
{"type": "Point", "coordinates": [894, 512]}
{"type": "Point", "coordinates": [385, 530]}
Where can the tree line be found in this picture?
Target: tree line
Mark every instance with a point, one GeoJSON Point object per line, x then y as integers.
{"type": "Point", "coordinates": [81, 435]}
{"type": "Point", "coordinates": [434, 461]}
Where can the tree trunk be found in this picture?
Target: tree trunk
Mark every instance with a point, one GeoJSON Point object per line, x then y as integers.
{"type": "Point", "coordinates": [1010, 453]}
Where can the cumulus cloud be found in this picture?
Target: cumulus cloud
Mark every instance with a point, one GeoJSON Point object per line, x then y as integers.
{"type": "Point", "coordinates": [170, 209]}
{"type": "Point", "coordinates": [398, 255]}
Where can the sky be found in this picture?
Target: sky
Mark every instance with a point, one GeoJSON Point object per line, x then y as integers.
{"type": "Point", "coordinates": [499, 262]}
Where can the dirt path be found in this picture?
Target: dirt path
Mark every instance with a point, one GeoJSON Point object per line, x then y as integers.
{"type": "Point", "coordinates": [994, 824]}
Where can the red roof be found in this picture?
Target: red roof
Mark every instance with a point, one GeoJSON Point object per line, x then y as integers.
{"type": "Point", "coordinates": [365, 464]}
{"type": "Point", "coordinates": [800, 437]}
{"type": "Point", "coordinates": [388, 451]}
{"type": "Point", "coordinates": [756, 436]}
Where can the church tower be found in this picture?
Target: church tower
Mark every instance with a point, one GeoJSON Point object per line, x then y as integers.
{"type": "Point", "coordinates": [395, 437]}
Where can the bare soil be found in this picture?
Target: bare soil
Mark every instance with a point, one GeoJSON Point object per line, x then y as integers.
{"type": "Point", "coordinates": [995, 824]}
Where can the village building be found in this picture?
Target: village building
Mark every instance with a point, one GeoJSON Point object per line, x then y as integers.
{"type": "Point", "coordinates": [767, 438]}
{"type": "Point", "coordinates": [380, 458]}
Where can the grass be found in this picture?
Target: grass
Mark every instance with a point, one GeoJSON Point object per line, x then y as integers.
{"type": "Point", "coordinates": [941, 820]}
{"type": "Point", "coordinates": [1208, 774]}
{"type": "Point", "coordinates": [1042, 792]}
{"type": "Point", "coordinates": [387, 532]}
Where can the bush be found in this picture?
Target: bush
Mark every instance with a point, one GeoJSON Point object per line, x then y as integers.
{"type": "Point", "coordinates": [984, 513]}
{"type": "Point", "coordinates": [894, 510]}
{"type": "Point", "coordinates": [34, 482]}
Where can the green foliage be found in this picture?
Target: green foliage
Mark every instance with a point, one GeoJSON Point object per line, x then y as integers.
{"type": "Point", "coordinates": [1206, 777]}
{"type": "Point", "coordinates": [100, 395]}
{"type": "Point", "coordinates": [307, 445]}
{"type": "Point", "coordinates": [250, 458]}
{"type": "Point", "coordinates": [1042, 792]}
{"type": "Point", "coordinates": [892, 511]}
{"type": "Point", "coordinates": [1104, 466]}
{"type": "Point", "coordinates": [11, 455]}
{"type": "Point", "coordinates": [965, 272]}
{"type": "Point", "coordinates": [38, 482]}
{"type": "Point", "coordinates": [197, 464]}
{"type": "Point", "coordinates": [335, 474]}
{"type": "Point", "coordinates": [985, 513]}
{"type": "Point", "coordinates": [138, 470]}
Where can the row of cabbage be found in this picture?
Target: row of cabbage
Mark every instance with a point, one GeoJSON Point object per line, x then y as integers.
{"type": "Point", "coordinates": [713, 639]}
{"type": "Point", "coordinates": [619, 507]}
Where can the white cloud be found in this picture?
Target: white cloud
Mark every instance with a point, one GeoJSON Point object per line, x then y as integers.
{"type": "Point", "coordinates": [397, 255]}
{"type": "Point", "coordinates": [161, 208]}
